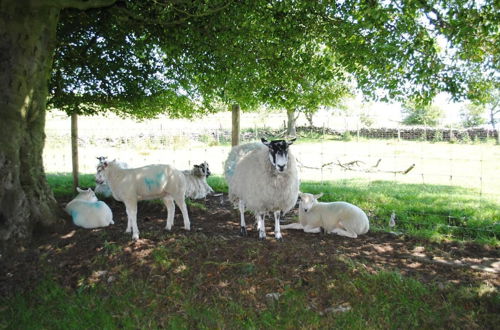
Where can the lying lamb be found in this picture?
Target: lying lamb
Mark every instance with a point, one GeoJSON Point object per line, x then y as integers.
{"type": "Point", "coordinates": [149, 182]}
{"type": "Point", "coordinates": [340, 218]}
{"type": "Point", "coordinates": [262, 177]}
{"type": "Point", "coordinates": [87, 212]}
{"type": "Point", "coordinates": [196, 181]}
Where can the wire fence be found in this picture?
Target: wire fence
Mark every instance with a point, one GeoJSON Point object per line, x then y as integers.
{"type": "Point", "coordinates": [407, 155]}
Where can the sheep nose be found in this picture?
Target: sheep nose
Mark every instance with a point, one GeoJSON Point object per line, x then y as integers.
{"type": "Point", "coordinates": [305, 210]}
{"type": "Point", "coordinates": [281, 168]}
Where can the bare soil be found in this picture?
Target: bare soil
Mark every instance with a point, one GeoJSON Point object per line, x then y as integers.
{"type": "Point", "coordinates": [71, 251]}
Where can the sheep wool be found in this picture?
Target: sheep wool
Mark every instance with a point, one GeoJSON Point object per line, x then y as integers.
{"type": "Point", "coordinates": [255, 181]}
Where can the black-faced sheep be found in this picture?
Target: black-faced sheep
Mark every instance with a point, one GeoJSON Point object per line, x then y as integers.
{"type": "Point", "coordinates": [262, 177]}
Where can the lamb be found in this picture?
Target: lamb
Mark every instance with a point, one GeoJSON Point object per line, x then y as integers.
{"type": "Point", "coordinates": [340, 218]}
{"type": "Point", "coordinates": [196, 181]}
{"type": "Point", "coordinates": [262, 177]}
{"type": "Point", "coordinates": [102, 186]}
{"type": "Point", "coordinates": [149, 182]}
{"type": "Point", "coordinates": [87, 212]}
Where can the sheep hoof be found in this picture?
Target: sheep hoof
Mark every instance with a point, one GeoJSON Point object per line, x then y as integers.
{"type": "Point", "coordinates": [243, 231]}
{"type": "Point", "coordinates": [262, 238]}
{"type": "Point", "coordinates": [322, 230]}
{"type": "Point", "coordinates": [279, 239]}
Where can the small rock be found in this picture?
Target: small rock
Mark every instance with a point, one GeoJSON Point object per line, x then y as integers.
{"type": "Point", "coordinates": [274, 296]}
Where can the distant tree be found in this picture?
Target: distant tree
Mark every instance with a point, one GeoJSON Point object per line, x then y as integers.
{"type": "Point", "coordinates": [417, 113]}
{"type": "Point", "coordinates": [472, 115]}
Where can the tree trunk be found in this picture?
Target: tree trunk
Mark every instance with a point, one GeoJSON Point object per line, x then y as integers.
{"type": "Point", "coordinates": [74, 148]}
{"type": "Point", "coordinates": [27, 41]}
{"type": "Point", "coordinates": [235, 131]}
{"type": "Point", "coordinates": [291, 131]}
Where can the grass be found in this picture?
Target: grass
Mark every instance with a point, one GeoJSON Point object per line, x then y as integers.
{"type": "Point", "coordinates": [436, 212]}
{"type": "Point", "coordinates": [163, 297]}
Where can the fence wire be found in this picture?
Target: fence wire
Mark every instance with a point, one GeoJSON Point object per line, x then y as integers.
{"type": "Point", "coordinates": [424, 156]}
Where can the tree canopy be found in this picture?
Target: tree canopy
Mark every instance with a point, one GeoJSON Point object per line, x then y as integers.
{"type": "Point", "coordinates": [185, 57]}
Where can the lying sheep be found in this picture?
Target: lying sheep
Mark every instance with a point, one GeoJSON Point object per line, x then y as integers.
{"type": "Point", "coordinates": [340, 218]}
{"type": "Point", "coordinates": [196, 181]}
{"type": "Point", "coordinates": [87, 212]}
{"type": "Point", "coordinates": [101, 186]}
{"type": "Point", "coordinates": [149, 182]}
{"type": "Point", "coordinates": [262, 177]}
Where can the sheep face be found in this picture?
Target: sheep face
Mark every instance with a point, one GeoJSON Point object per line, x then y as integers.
{"type": "Point", "coordinates": [278, 153]}
{"type": "Point", "coordinates": [202, 170]}
{"type": "Point", "coordinates": [307, 201]}
{"type": "Point", "coordinates": [99, 176]}
{"type": "Point", "coordinates": [86, 195]}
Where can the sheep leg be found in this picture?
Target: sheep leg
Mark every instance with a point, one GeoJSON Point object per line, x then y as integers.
{"type": "Point", "coordinates": [131, 208]}
{"type": "Point", "coordinates": [277, 229]}
{"type": "Point", "coordinates": [312, 230]}
{"type": "Point", "coordinates": [169, 203]}
{"type": "Point", "coordinates": [261, 226]}
{"type": "Point", "coordinates": [181, 203]}
{"type": "Point", "coordinates": [243, 227]}
{"type": "Point", "coordinates": [295, 225]}
{"type": "Point", "coordinates": [342, 232]}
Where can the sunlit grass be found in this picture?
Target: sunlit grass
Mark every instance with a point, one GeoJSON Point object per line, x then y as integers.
{"type": "Point", "coordinates": [430, 211]}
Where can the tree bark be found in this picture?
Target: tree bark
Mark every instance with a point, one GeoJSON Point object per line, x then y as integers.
{"type": "Point", "coordinates": [74, 149]}
{"type": "Point", "coordinates": [291, 130]}
{"type": "Point", "coordinates": [27, 41]}
{"type": "Point", "coordinates": [235, 131]}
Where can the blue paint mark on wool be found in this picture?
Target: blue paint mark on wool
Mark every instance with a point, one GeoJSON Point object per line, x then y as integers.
{"type": "Point", "coordinates": [154, 182]}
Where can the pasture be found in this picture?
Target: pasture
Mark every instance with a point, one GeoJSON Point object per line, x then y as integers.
{"type": "Point", "coordinates": [437, 267]}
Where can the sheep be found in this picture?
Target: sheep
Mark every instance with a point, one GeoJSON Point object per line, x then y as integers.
{"type": "Point", "coordinates": [262, 177]}
{"type": "Point", "coordinates": [88, 212]}
{"type": "Point", "coordinates": [149, 182]}
{"type": "Point", "coordinates": [196, 181]}
{"type": "Point", "coordinates": [102, 186]}
{"type": "Point", "coordinates": [340, 218]}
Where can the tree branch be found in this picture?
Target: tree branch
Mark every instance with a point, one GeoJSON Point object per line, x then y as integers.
{"type": "Point", "coordinates": [76, 4]}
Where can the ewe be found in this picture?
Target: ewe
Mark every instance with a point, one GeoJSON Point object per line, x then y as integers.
{"type": "Point", "coordinates": [196, 181]}
{"type": "Point", "coordinates": [340, 218]}
{"type": "Point", "coordinates": [149, 182]}
{"type": "Point", "coordinates": [262, 178]}
{"type": "Point", "coordinates": [87, 212]}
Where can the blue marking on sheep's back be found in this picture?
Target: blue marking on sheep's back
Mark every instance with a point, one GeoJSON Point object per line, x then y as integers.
{"type": "Point", "coordinates": [155, 182]}
{"type": "Point", "coordinates": [97, 204]}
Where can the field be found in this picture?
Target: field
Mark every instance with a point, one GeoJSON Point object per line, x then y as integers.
{"type": "Point", "coordinates": [212, 278]}
{"type": "Point", "coordinates": [436, 268]}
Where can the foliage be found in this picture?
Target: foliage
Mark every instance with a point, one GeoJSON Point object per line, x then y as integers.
{"type": "Point", "coordinates": [188, 57]}
{"type": "Point", "coordinates": [472, 115]}
{"type": "Point", "coordinates": [417, 113]}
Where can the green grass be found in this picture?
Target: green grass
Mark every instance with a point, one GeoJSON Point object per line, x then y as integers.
{"type": "Point", "coordinates": [434, 212]}
{"type": "Point", "coordinates": [430, 211]}
{"type": "Point", "coordinates": [164, 299]}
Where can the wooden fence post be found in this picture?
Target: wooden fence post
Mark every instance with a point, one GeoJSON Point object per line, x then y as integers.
{"type": "Point", "coordinates": [74, 148]}
{"type": "Point", "coordinates": [235, 131]}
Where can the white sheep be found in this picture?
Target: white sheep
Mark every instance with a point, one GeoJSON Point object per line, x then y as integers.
{"type": "Point", "coordinates": [101, 186]}
{"type": "Point", "coordinates": [149, 182]}
{"type": "Point", "coordinates": [88, 212]}
{"type": "Point", "coordinates": [340, 218]}
{"type": "Point", "coordinates": [196, 181]}
{"type": "Point", "coordinates": [262, 177]}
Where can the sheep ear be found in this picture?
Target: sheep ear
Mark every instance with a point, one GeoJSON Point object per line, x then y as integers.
{"type": "Point", "coordinates": [291, 141]}
{"type": "Point", "coordinates": [318, 196]}
{"type": "Point", "coordinates": [264, 141]}
{"type": "Point", "coordinates": [197, 166]}
{"type": "Point", "coordinates": [79, 190]}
